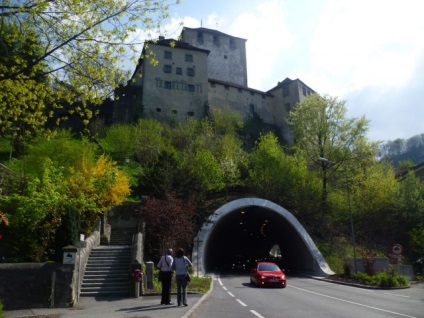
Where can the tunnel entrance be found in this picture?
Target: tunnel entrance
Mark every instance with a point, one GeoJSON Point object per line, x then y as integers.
{"type": "Point", "coordinates": [249, 229]}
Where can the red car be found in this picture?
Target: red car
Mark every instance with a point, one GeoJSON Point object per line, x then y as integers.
{"type": "Point", "coordinates": [267, 274]}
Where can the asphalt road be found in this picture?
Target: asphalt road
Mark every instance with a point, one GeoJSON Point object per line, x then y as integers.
{"type": "Point", "coordinates": [234, 297]}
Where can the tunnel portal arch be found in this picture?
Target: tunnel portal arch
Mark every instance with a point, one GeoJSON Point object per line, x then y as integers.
{"type": "Point", "coordinates": [231, 226]}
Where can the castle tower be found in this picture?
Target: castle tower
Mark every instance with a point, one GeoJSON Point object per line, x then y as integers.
{"type": "Point", "coordinates": [227, 57]}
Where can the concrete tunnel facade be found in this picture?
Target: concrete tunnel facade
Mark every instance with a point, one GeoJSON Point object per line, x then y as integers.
{"type": "Point", "coordinates": [249, 228]}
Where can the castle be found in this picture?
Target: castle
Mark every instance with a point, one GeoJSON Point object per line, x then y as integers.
{"type": "Point", "coordinates": [204, 70]}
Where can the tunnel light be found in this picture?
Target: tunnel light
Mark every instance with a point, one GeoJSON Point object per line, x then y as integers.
{"type": "Point", "coordinates": [242, 212]}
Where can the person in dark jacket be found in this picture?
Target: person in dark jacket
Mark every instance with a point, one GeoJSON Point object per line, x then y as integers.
{"type": "Point", "coordinates": [165, 276]}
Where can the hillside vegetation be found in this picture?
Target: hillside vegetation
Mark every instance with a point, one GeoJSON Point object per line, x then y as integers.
{"type": "Point", "coordinates": [62, 182]}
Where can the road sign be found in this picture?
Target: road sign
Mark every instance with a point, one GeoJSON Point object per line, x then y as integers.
{"type": "Point", "coordinates": [69, 258]}
{"type": "Point", "coordinates": [397, 249]}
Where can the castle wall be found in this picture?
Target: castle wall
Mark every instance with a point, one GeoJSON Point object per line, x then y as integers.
{"type": "Point", "coordinates": [243, 101]}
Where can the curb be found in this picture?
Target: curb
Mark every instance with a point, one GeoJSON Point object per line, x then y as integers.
{"type": "Point", "coordinates": [199, 302]}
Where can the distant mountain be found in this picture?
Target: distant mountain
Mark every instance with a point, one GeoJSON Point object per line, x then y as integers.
{"type": "Point", "coordinates": [400, 150]}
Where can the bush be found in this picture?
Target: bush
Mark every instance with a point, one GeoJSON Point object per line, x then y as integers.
{"type": "Point", "coordinates": [382, 279]}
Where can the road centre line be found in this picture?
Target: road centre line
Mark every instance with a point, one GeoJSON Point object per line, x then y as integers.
{"type": "Point", "coordinates": [241, 303]}
{"type": "Point", "coordinates": [351, 302]}
{"type": "Point", "coordinates": [256, 314]}
{"type": "Point", "coordinates": [231, 294]}
{"type": "Point", "coordinates": [225, 288]}
{"type": "Point", "coordinates": [220, 281]}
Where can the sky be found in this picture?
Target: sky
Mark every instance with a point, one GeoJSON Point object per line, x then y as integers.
{"type": "Point", "coordinates": [368, 53]}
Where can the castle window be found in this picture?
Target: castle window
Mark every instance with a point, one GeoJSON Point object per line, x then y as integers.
{"type": "Point", "coordinates": [190, 114]}
{"type": "Point", "coordinates": [240, 90]}
{"type": "Point", "coordinates": [168, 55]}
{"type": "Point", "coordinates": [174, 112]}
{"type": "Point", "coordinates": [200, 37]}
{"type": "Point", "coordinates": [167, 68]}
{"type": "Point", "coordinates": [168, 85]}
{"type": "Point", "coordinates": [252, 93]}
{"type": "Point", "coordinates": [212, 84]}
{"type": "Point", "coordinates": [227, 87]}
{"type": "Point", "coordinates": [286, 91]}
{"type": "Point", "coordinates": [304, 90]}
{"type": "Point", "coordinates": [225, 56]}
{"type": "Point", "coordinates": [190, 88]}
{"type": "Point", "coordinates": [190, 72]}
{"type": "Point", "coordinates": [215, 39]}
{"type": "Point", "coordinates": [199, 88]}
{"type": "Point", "coordinates": [179, 70]}
{"type": "Point", "coordinates": [189, 58]}
{"type": "Point", "coordinates": [158, 109]}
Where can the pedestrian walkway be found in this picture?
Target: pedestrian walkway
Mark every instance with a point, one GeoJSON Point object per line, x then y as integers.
{"type": "Point", "coordinates": [114, 307]}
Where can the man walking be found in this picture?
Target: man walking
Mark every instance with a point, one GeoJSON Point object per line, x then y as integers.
{"type": "Point", "coordinates": [165, 276]}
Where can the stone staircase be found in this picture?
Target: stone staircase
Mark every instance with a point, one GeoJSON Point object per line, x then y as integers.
{"type": "Point", "coordinates": [108, 266]}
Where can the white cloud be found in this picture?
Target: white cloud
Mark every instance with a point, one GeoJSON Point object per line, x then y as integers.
{"type": "Point", "coordinates": [367, 43]}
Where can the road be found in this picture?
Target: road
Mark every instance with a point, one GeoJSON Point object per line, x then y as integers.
{"type": "Point", "coordinates": [234, 297]}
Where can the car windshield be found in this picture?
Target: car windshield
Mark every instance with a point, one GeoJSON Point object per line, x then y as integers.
{"type": "Point", "coordinates": [268, 268]}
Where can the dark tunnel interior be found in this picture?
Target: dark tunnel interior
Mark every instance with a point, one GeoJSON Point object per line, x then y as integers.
{"type": "Point", "coordinates": [248, 234]}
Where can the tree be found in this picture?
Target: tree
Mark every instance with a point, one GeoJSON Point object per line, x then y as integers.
{"type": "Point", "coordinates": [321, 130]}
{"type": "Point", "coordinates": [276, 175]}
{"type": "Point", "coordinates": [78, 46]}
{"type": "Point", "coordinates": [119, 141]}
{"type": "Point", "coordinates": [170, 222]}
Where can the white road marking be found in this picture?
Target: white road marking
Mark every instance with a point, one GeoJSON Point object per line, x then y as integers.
{"type": "Point", "coordinates": [219, 281]}
{"type": "Point", "coordinates": [351, 302]}
{"type": "Point", "coordinates": [231, 294]}
{"type": "Point", "coordinates": [241, 303]}
{"type": "Point", "coordinates": [225, 288]}
{"type": "Point", "coordinates": [397, 295]}
{"type": "Point", "coordinates": [256, 314]}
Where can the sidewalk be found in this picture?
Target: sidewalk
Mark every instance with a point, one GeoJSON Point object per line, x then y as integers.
{"type": "Point", "coordinates": [113, 307]}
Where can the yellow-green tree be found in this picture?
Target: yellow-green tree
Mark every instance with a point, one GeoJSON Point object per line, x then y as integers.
{"type": "Point", "coordinates": [57, 53]}
{"type": "Point", "coordinates": [322, 130]}
{"type": "Point", "coordinates": [97, 186]}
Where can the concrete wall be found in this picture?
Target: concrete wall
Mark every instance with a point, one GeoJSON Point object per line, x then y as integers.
{"type": "Point", "coordinates": [35, 285]}
{"type": "Point", "coordinates": [44, 285]}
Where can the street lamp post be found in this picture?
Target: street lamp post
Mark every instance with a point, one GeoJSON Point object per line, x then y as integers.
{"type": "Point", "coordinates": [352, 230]}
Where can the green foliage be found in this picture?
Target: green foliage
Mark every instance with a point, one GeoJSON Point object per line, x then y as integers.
{"type": "Point", "coordinates": [57, 197]}
{"type": "Point", "coordinates": [1, 310]}
{"type": "Point", "coordinates": [119, 141]}
{"type": "Point", "coordinates": [335, 251]}
{"type": "Point", "coordinates": [416, 236]}
{"type": "Point", "coordinates": [276, 175]}
{"type": "Point", "coordinates": [382, 279]}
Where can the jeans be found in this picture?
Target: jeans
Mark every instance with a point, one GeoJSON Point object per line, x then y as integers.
{"type": "Point", "coordinates": [181, 289]}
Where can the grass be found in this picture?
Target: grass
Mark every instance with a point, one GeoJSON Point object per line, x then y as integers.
{"type": "Point", "coordinates": [199, 285]}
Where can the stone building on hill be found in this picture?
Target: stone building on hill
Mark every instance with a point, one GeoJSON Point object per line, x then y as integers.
{"type": "Point", "coordinates": [206, 69]}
